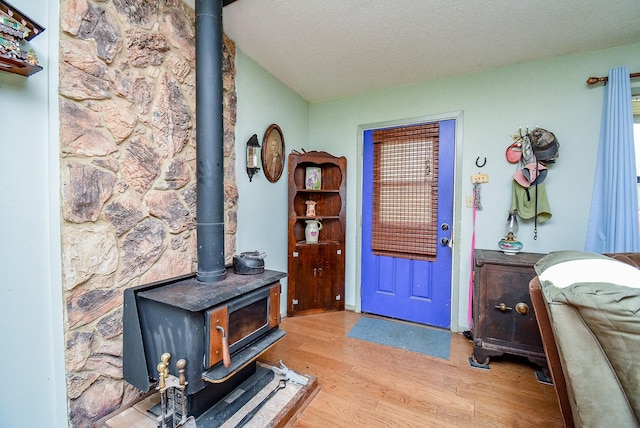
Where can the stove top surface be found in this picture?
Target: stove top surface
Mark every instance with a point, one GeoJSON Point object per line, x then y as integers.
{"type": "Point", "coordinates": [189, 294]}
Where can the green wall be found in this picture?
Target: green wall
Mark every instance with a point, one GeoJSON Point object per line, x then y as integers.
{"type": "Point", "coordinates": [492, 105]}
{"type": "Point", "coordinates": [262, 205]}
{"type": "Point", "coordinates": [31, 316]}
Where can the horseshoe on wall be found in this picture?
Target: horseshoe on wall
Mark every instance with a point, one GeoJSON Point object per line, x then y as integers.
{"type": "Point", "coordinates": [483, 163]}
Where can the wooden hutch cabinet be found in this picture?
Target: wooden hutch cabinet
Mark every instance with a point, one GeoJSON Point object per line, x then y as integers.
{"type": "Point", "coordinates": [503, 317]}
{"type": "Point", "coordinates": [316, 269]}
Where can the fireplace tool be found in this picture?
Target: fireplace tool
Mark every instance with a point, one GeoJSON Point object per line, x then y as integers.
{"type": "Point", "coordinates": [281, 385]}
{"type": "Point", "coordinates": [288, 376]}
{"type": "Point", "coordinates": [173, 402]}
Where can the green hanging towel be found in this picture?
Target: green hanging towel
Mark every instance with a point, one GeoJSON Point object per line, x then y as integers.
{"type": "Point", "coordinates": [524, 201]}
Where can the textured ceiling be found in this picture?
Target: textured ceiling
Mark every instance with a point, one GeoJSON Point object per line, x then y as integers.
{"type": "Point", "coordinates": [323, 49]}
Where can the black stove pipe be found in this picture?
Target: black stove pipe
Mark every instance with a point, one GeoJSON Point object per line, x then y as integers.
{"type": "Point", "coordinates": [209, 141]}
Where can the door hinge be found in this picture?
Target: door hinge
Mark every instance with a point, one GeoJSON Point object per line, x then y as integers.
{"type": "Point", "coordinates": [338, 297]}
{"type": "Point", "coordinates": [295, 302]}
{"type": "Point", "coordinates": [338, 252]}
{"type": "Point", "coordinates": [295, 254]}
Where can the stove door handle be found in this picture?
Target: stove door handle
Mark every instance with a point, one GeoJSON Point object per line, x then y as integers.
{"type": "Point", "coordinates": [226, 356]}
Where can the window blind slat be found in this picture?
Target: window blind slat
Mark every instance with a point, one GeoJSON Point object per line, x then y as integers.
{"type": "Point", "coordinates": [405, 192]}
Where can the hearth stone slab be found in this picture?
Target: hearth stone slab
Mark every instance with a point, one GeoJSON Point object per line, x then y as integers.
{"type": "Point", "coordinates": [280, 411]}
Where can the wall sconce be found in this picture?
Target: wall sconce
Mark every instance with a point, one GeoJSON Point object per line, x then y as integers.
{"type": "Point", "coordinates": [253, 156]}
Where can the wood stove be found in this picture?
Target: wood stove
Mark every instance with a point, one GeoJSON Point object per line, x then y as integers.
{"type": "Point", "coordinates": [210, 326]}
{"type": "Point", "coordinates": [189, 320]}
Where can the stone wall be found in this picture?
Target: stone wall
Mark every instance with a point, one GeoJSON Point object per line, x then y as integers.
{"type": "Point", "coordinates": [127, 135]}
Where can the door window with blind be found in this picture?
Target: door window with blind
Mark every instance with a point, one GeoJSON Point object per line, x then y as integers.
{"type": "Point", "coordinates": [405, 192]}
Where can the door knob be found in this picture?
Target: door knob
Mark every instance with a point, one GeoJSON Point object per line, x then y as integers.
{"type": "Point", "coordinates": [522, 308]}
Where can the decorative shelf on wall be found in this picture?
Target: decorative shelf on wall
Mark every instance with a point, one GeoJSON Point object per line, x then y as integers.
{"type": "Point", "coordinates": [16, 29]}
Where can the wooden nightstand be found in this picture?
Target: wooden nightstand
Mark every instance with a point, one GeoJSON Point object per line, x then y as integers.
{"type": "Point", "coordinates": [503, 317]}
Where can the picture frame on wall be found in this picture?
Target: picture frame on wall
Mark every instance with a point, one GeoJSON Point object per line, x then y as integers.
{"type": "Point", "coordinates": [313, 178]}
{"type": "Point", "coordinates": [273, 153]}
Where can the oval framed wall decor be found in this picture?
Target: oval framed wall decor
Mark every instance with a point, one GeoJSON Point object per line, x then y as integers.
{"type": "Point", "coordinates": [273, 153]}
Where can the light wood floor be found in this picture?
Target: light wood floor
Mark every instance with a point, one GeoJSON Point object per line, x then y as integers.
{"type": "Point", "coordinates": [369, 385]}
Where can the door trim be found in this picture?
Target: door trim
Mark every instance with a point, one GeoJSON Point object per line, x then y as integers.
{"type": "Point", "coordinates": [457, 206]}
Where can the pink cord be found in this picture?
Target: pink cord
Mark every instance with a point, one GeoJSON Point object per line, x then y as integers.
{"type": "Point", "coordinates": [473, 245]}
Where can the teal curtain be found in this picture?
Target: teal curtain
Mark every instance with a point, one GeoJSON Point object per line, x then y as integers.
{"type": "Point", "coordinates": [613, 220]}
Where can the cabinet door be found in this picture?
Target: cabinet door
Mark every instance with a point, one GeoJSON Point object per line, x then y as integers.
{"type": "Point", "coordinates": [316, 279]}
{"type": "Point", "coordinates": [303, 289]}
{"type": "Point", "coordinates": [328, 276]}
{"type": "Point", "coordinates": [503, 288]}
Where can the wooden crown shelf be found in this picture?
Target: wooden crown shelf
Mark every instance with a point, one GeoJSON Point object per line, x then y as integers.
{"type": "Point", "coordinates": [16, 28]}
{"type": "Point", "coordinates": [18, 67]}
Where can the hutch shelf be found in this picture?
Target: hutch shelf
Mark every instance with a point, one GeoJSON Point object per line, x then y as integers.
{"type": "Point", "coordinates": [316, 269]}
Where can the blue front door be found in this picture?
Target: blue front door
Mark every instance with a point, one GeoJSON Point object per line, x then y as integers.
{"type": "Point", "coordinates": [404, 288]}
